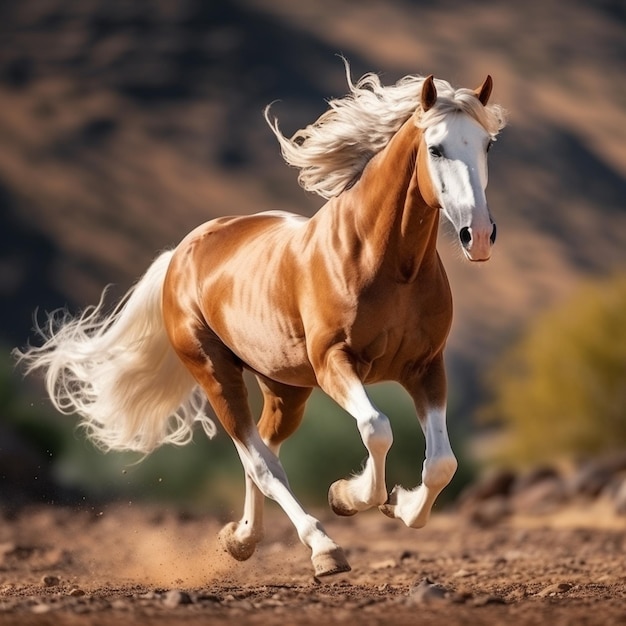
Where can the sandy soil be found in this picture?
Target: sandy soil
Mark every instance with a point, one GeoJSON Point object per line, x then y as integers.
{"type": "Point", "coordinates": [134, 564]}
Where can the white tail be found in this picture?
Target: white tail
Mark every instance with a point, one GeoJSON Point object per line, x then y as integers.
{"type": "Point", "coordinates": [120, 372]}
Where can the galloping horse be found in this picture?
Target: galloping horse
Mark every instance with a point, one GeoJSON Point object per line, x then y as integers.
{"type": "Point", "coordinates": [355, 295]}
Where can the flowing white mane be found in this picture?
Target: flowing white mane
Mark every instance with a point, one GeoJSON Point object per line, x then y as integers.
{"type": "Point", "coordinates": [334, 150]}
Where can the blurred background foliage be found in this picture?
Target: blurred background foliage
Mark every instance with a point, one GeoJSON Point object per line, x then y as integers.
{"type": "Point", "coordinates": [326, 447]}
{"type": "Point", "coordinates": [560, 391]}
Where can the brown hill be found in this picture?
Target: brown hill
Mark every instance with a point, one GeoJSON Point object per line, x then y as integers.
{"type": "Point", "coordinates": [125, 124]}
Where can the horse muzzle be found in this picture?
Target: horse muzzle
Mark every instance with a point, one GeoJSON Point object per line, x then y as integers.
{"type": "Point", "coordinates": [477, 242]}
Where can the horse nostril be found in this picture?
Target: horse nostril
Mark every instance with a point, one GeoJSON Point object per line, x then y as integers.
{"type": "Point", "coordinates": [493, 235]}
{"type": "Point", "coordinates": [465, 236]}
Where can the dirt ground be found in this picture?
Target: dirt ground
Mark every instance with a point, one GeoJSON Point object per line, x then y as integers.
{"type": "Point", "coordinates": [133, 564]}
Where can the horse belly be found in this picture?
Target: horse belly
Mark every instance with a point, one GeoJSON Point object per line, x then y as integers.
{"type": "Point", "coordinates": [265, 348]}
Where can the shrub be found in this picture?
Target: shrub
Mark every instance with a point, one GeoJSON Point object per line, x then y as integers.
{"type": "Point", "coordinates": [561, 390]}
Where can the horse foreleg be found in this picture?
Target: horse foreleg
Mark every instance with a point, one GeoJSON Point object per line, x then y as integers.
{"type": "Point", "coordinates": [413, 507]}
{"type": "Point", "coordinates": [339, 380]}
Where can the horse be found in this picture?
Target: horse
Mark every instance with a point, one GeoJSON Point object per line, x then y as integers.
{"type": "Point", "coordinates": [355, 295]}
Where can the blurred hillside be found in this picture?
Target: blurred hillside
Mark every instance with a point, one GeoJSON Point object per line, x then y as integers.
{"type": "Point", "coordinates": [124, 124]}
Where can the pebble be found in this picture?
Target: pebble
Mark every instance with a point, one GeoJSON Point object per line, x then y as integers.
{"type": "Point", "coordinates": [487, 599]}
{"type": "Point", "coordinates": [591, 478]}
{"type": "Point", "coordinates": [555, 589]}
{"type": "Point", "coordinates": [76, 592]}
{"type": "Point", "coordinates": [490, 512]}
{"type": "Point", "coordinates": [50, 581]}
{"type": "Point", "coordinates": [384, 564]}
{"type": "Point", "coordinates": [427, 592]}
{"type": "Point", "coordinates": [542, 497]}
{"type": "Point", "coordinates": [175, 597]}
{"type": "Point", "coordinates": [149, 595]}
{"type": "Point", "coordinates": [120, 605]}
{"type": "Point", "coordinates": [495, 483]}
{"type": "Point", "coordinates": [517, 594]}
{"type": "Point", "coordinates": [534, 476]}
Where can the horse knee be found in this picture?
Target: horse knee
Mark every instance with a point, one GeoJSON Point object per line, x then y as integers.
{"type": "Point", "coordinates": [439, 472]}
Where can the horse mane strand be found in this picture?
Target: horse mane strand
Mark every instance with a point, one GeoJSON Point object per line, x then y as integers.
{"type": "Point", "coordinates": [333, 151]}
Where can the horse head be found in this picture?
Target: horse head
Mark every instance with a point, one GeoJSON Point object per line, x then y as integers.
{"type": "Point", "coordinates": [452, 163]}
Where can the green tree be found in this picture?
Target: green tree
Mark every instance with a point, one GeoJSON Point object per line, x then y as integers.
{"type": "Point", "coordinates": [561, 390]}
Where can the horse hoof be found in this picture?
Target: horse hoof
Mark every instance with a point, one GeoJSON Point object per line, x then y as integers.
{"type": "Point", "coordinates": [388, 509]}
{"type": "Point", "coordinates": [329, 563]}
{"type": "Point", "coordinates": [337, 499]}
{"type": "Point", "coordinates": [239, 550]}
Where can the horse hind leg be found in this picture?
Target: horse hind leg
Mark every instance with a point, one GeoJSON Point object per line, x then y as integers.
{"type": "Point", "coordinates": [220, 375]}
{"type": "Point", "coordinates": [283, 410]}
{"type": "Point", "coordinates": [241, 538]}
{"type": "Point", "coordinates": [282, 414]}
{"type": "Point", "coordinates": [269, 477]}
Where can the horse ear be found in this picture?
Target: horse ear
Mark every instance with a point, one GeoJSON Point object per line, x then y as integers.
{"type": "Point", "coordinates": [429, 93]}
{"type": "Point", "coordinates": [484, 91]}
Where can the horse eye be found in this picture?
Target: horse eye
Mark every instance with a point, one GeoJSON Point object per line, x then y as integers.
{"type": "Point", "coordinates": [435, 151]}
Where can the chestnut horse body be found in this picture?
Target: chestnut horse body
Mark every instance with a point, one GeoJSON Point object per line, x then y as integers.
{"type": "Point", "coordinates": [355, 295]}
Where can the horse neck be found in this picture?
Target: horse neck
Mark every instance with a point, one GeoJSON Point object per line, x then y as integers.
{"type": "Point", "coordinates": [389, 212]}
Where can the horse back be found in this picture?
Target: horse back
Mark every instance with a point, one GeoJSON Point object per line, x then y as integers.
{"type": "Point", "coordinates": [236, 280]}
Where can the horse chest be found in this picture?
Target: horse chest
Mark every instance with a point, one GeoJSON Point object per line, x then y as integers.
{"type": "Point", "coordinates": [400, 330]}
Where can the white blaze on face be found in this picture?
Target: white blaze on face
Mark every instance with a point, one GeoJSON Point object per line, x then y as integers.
{"type": "Point", "coordinates": [457, 162]}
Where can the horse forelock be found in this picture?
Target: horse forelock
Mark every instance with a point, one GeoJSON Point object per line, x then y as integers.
{"type": "Point", "coordinates": [449, 101]}
{"type": "Point", "coordinates": [333, 151]}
